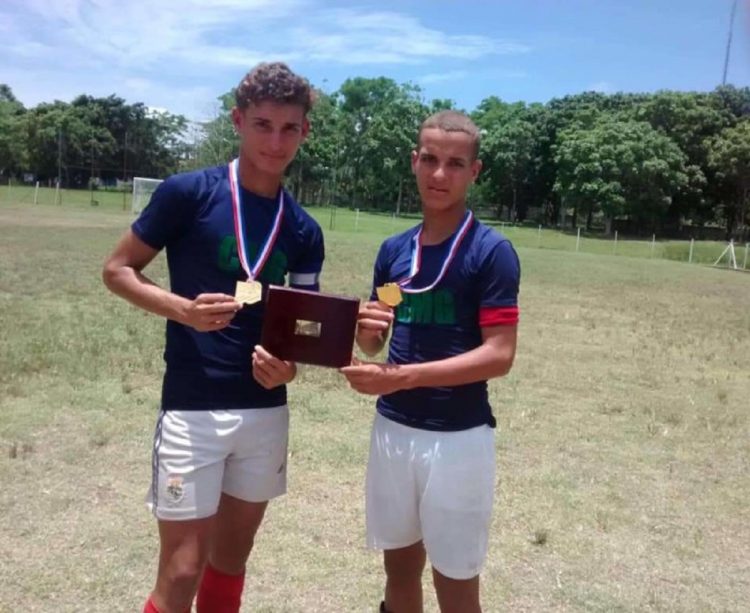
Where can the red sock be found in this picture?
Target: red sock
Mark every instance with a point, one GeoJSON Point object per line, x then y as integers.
{"type": "Point", "coordinates": [150, 607]}
{"type": "Point", "coordinates": [219, 592]}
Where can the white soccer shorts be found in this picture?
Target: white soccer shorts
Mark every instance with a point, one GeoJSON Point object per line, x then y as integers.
{"type": "Point", "coordinates": [197, 455]}
{"type": "Point", "coordinates": [437, 487]}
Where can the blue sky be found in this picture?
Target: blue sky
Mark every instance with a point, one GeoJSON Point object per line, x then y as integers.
{"type": "Point", "coordinates": [180, 56]}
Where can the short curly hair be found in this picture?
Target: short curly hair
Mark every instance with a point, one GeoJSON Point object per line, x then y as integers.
{"type": "Point", "coordinates": [453, 121]}
{"type": "Point", "coordinates": [274, 82]}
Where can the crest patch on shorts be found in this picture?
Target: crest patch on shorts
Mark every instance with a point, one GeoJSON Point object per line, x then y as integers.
{"type": "Point", "coordinates": [175, 489]}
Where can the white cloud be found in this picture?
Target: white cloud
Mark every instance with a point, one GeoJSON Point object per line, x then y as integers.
{"type": "Point", "coordinates": [455, 75]}
{"type": "Point", "coordinates": [137, 85]}
{"type": "Point", "coordinates": [233, 33]}
{"type": "Point", "coordinates": [168, 53]}
{"type": "Point", "coordinates": [439, 77]}
{"type": "Point", "coordinates": [144, 34]}
{"type": "Point", "coordinates": [352, 36]}
{"type": "Point", "coordinates": [30, 49]}
{"type": "Point", "coordinates": [605, 87]}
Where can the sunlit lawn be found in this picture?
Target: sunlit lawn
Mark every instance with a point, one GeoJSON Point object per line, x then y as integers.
{"type": "Point", "coordinates": [623, 441]}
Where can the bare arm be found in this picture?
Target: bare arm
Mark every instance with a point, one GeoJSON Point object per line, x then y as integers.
{"type": "Point", "coordinates": [493, 358]}
{"type": "Point", "coordinates": [122, 275]}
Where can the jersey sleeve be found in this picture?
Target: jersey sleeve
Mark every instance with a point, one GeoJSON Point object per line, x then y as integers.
{"type": "Point", "coordinates": [304, 273]}
{"type": "Point", "coordinates": [499, 279]}
{"type": "Point", "coordinates": [380, 271]}
{"type": "Point", "coordinates": [167, 215]}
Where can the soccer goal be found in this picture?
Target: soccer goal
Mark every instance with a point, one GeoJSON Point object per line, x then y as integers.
{"type": "Point", "coordinates": [142, 190]}
{"type": "Point", "coordinates": [731, 257]}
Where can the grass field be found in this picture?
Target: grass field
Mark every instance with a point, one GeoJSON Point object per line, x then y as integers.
{"type": "Point", "coordinates": [347, 220]}
{"type": "Point", "coordinates": [623, 441]}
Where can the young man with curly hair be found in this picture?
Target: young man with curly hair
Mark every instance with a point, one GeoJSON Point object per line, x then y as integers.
{"type": "Point", "coordinates": [220, 447]}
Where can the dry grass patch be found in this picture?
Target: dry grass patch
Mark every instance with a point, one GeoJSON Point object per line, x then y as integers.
{"type": "Point", "coordinates": [622, 441]}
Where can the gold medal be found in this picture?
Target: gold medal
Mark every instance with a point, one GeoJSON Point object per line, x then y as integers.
{"type": "Point", "coordinates": [248, 292]}
{"type": "Point", "coordinates": [390, 294]}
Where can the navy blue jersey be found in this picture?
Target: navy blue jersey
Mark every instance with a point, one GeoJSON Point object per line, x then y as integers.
{"type": "Point", "coordinates": [480, 288]}
{"type": "Point", "coordinates": [191, 216]}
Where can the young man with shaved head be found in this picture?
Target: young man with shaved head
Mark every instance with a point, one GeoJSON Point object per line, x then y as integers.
{"type": "Point", "coordinates": [448, 290]}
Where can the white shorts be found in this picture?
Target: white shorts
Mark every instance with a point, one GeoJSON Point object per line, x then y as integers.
{"type": "Point", "coordinates": [437, 487]}
{"type": "Point", "coordinates": [200, 454]}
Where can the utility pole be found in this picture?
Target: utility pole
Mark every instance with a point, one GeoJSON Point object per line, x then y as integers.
{"type": "Point", "coordinates": [59, 161]}
{"type": "Point", "coordinates": [729, 42]}
{"type": "Point", "coordinates": [91, 176]}
{"type": "Point", "coordinates": [124, 170]}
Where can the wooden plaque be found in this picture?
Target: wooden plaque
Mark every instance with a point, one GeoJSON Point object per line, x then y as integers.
{"type": "Point", "coordinates": [309, 327]}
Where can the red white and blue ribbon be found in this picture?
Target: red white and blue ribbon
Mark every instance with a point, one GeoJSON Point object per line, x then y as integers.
{"type": "Point", "coordinates": [416, 257]}
{"type": "Point", "coordinates": [239, 226]}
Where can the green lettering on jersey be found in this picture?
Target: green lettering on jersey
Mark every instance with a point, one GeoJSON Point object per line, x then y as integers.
{"type": "Point", "coordinates": [422, 308]}
{"type": "Point", "coordinates": [444, 307]}
{"type": "Point", "coordinates": [433, 307]}
{"type": "Point", "coordinates": [228, 260]}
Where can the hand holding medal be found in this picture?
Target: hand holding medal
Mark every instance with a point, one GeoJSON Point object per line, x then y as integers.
{"type": "Point", "coordinates": [374, 320]}
{"type": "Point", "coordinates": [209, 312]}
{"type": "Point", "coordinates": [374, 317]}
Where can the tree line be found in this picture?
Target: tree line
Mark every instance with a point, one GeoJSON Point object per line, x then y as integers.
{"type": "Point", "coordinates": [89, 138]}
{"type": "Point", "coordinates": [672, 163]}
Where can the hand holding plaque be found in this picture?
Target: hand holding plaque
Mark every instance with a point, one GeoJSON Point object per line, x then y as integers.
{"type": "Point", "coordinates": [270, 371]}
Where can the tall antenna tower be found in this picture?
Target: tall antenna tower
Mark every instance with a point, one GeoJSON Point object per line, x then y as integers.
{"type": "Point", "coordinates": [729, 42]}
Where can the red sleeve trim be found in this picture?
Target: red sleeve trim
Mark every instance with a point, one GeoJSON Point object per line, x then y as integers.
{"type": "Point", "coordinates": [498, 316]}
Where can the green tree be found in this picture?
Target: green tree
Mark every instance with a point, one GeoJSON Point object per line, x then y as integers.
{"type": "Point", "coordinates": [314, 170]}
{"type": "Point", "coordinates": [509, 151]}
{"type": "Point", "coordinates": [729, 157]}
{"type": "Point", "coordinates": [619, 168]}
{"type": "Point", "coordinates": [215, 140]}
{"type": "Point", "coordinates": [102, 136]}
{"type": "Point", "coordinates": [56, 137]}
{"type": "Point", "coordinates": [518, 163]}
{"type": "Point", "coordinates": [378, 129]}
{"type": "Point", "coordinates": [691, 120]}
{"type": "Point", "coordinates": [13, 151]}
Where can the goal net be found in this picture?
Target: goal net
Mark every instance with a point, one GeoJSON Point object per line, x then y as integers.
{"type": "Point", "coordinates": [142, 190]}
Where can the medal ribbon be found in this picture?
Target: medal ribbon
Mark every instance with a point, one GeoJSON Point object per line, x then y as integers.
{"type": "Point", "coordinates": [416, 257]}
{"type": "Point", "coordinates": [239, 225]}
